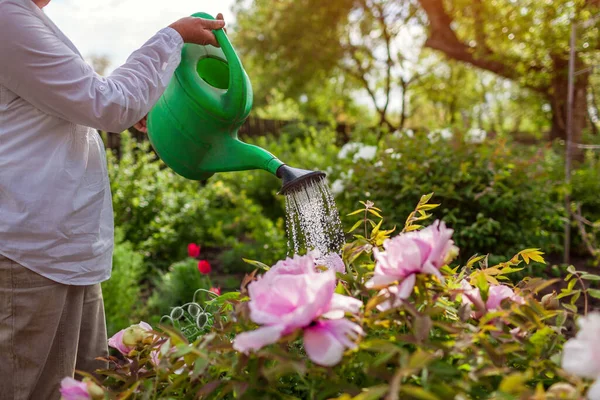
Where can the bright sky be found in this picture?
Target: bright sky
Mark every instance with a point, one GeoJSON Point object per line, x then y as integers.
{"type": "Point", "coordinates": [116, 28]}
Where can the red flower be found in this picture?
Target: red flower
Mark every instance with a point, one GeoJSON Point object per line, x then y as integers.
{"type": "Point", "coordinates": [193, 250]}
{"type": "Point", "coordinates": [216, 290]}
{"type": "Point", "coordinates": [204, 267]}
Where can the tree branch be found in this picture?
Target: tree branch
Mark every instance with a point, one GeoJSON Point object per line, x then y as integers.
{"type": "Point", "coordinates": [443, 38]}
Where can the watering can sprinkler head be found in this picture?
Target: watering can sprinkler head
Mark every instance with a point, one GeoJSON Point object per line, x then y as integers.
{"type": "Point", "coordinates": [295, 178]}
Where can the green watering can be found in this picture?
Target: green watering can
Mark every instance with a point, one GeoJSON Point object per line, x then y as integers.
{"type": "Point", "coordinates": [194, 125]}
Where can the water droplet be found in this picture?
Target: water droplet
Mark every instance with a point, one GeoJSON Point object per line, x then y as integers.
{"type": "Point", "coordinates": [312, 220]}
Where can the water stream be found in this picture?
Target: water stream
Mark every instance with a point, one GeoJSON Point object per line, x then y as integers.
{"type": "Point", "coordinates": [313, 221]}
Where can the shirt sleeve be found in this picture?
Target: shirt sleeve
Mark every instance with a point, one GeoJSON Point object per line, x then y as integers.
{"type": "Point", "coordinates": [39, 67]}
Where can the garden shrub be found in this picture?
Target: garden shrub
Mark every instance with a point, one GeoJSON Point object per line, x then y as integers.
{"type": "Point", "coordinates": [122, 291]}
{"type": "Point", "coordinates": [403, 321]}
{"type": "Point", "coordinates": [498, 198]}
{"type": "Point", "coordinates": [175, 287]}
{"type": "Point", "coordinates": [157, 210]}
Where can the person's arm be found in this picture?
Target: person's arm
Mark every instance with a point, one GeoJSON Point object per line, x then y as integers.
{"type": "Point", "coordinates": [40, 68]}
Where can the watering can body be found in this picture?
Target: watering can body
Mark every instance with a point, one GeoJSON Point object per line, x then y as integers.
{"type": "Point", "coordinates": [193, 127]}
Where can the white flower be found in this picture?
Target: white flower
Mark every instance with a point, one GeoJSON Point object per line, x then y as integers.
{"type": "Point", "coordinates": [337, 187]}
{"type": "Point", "coordinates": [581, 355]}
{"type": "Point", "coordinates": [348, 148]}
{"type": "Point", "coordinates": [443, 134]}
{"type": "Point", "coordinates": [360, 151]}
{"type": "Point", "coordinates": [366, 153]}
{"type": "Point", "coordinates": [475, 135]}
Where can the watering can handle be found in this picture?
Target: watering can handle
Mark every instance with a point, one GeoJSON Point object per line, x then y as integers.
{"type": "Point", "coordinates": [236, 97]}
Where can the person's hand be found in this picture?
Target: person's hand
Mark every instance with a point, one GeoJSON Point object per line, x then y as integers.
{"type": "Point", "coordinates": [199, 30]}
{"type": "Point", "coordinates": [142, 126]}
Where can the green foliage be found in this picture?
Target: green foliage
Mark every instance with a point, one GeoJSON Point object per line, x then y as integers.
{"type": "Point", "coordinates": [497, 197]}
{"type": "Point", "coordinates": [430, 346]}
{"type": "Point", "coordinates": [122, 291]}
{"type": "Point", "coordinates": [175, 287]}
{"type": "Point", "coordinates": [160, 212]}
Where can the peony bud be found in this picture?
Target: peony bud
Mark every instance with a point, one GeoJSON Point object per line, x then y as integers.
{"type": "Point", "coordinates": [562, 390]}
{"type": "Point", "coordinates": [193, 250]}
{"type": "Point", "coordinates": [133, 336]}
{"type": "Point", "coordinates": [550, 302]}
{"type": "Point", "coordinates": [216, 290]}
{"type": "Point", "coordinates": [204, 267]}
{"type": "Point", "coordinates": [95, 391]}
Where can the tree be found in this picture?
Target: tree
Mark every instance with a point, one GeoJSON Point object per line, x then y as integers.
{"type": "Point", "coordinates": [303, 46]}
{"type": "Point", "coordinates": [525, 41]}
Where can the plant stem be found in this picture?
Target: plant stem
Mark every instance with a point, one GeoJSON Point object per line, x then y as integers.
{"type": "Point", "coordinates": [585, 297]}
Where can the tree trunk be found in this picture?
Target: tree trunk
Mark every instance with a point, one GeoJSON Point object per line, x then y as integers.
{"type": "Point", "coordinates": [558, 97]}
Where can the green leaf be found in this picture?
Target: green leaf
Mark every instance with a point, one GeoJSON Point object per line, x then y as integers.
{"type": "Point", "coordinates": [590, 277]}
{"type": "Point", "coordinates": [571, 269]}
{"type": "Point", "coordinates": [417, 392]}
{"type": "Point", "coordinates": [372, 393]}
{"type": "Point", "coordinates": [570, 307]}
{"type": "Point", "coordinates": [355, 212]}
{"type": "Point", "coordinates": [355, 226]}
{"type": "Point", "coordinates": [371, 211]}
{"type": "Point", "coordinates": [474, 259]}
{"type": "Point", "coordinates": [427, 207]}
{"type": "Point", "coordinates": [595, 293]}
{"type": "Point", "coordinates": [420, 359]}
{"type": "Point", "coordinates": [257, 264]}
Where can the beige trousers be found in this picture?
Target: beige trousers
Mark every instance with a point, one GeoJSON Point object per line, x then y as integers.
{"type": "Point", "coordinates": [47, 330]}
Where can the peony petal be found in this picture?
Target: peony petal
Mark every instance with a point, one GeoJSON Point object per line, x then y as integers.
{"type": "Point", "coordinates": [322, 347]}
{"type": "Point", "coordinates": [379, 281]}
{"type": "Point", "coordinates": [116, 341]}
{"type": "Point", "coordinates": [257, 339]}
{"type": "Point", "coordinates": [297, 265]}
{"type": "Point", "coordinates": [326, 341]}
{"type": "Point", "coordinates": [594, 391]}
{"type": "Point", "coordinates": [71, 389]}
{"type": "Point", "coordinates": [145, 326]}
{"type": "Point", "coordinates": [393, 300]}
{"type": "Point", "coordinates": [496, 294]}
{"type": "Point", "coordinates": [579, 359]}
{"type": "Point", "coordinates": [589, 327]}
{"type": "Point", "coordinates": [333, 261]}
{"type": "Point", "coordinates": [406, 287]}
{"type": "Point", "coordinates": [340, 305]}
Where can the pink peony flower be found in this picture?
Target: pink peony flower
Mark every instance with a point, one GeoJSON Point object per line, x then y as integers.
{"type": "Point", "coordinates": [204, 267]}
{"type": "Point", "coordinates": [333, 261]}
{"type": "Point", "coordinates": [126, 339]}
{"type": "Point", "coordinates": [581, 354]}
{"type": "Point", "coordinates": [284, 300]}
{"type": "Point", "coordinates": [496, 294]}
{"type": "Point", "coordinates": [409, 254]}
{"type": "Point", "coordinates": [71, 389]}
{"type": "Point", "coordinates": [193, 250]}
{"type": "Point", "coordinates": [297, 265]}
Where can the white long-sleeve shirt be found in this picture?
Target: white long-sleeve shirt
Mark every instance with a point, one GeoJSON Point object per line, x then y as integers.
{"type": "Point", "coordinates": [56, 215]}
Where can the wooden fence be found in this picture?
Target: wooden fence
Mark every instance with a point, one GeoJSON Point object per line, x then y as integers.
{"type": "Point", "coordinates": [252, 127]}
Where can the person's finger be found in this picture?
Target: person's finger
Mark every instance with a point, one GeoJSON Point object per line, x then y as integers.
{"type": "Point", "coordinates": [220, 18]}
{"type": "Point", "coordinates": [213, 24]}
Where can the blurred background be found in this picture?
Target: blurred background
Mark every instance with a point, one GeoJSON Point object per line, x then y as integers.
{"type": "Point", "coordinates": [493, 105]}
